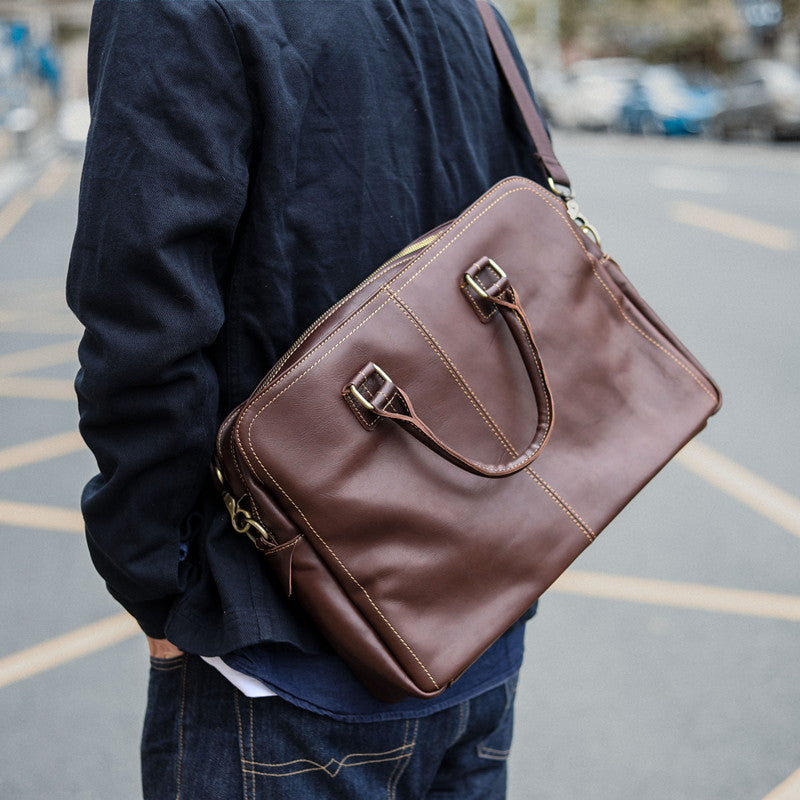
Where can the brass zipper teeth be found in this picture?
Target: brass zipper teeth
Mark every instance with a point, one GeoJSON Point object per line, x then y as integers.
{"type": "Point", "coordinates": [411, 249]}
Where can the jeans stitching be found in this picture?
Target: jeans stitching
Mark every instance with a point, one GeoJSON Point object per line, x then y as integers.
{"type": "Point", "coordinates": [400, 767]}
{"type": "Point", "coordinates": [242, 754]}
{"type": "Point", "coordinates": [166, 664]}
{"type": "Point", "coordinates": [252, 747]}
{"type": "Point", "coordinates": [492, 753]}
{"type": "Point", "coordinates": [463, 719]}
{"type": "Point", "coordinates": [180, 727]}
{"type": "Point", "coordinates": [333, 767]}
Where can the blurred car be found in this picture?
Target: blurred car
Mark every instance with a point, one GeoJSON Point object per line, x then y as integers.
{"type": "Point", "coordinates": [763, 100]}
{"type": "Point", "coordinates": [21, 122]}
{"type": "Point", "coordinates": [592, 93]}
{"type": "Point", "coordinates": [73, 125]}
{"type": "Point", "coordinates": [548, 85]}
{"type": "Point", "coordinates": [661, 100]}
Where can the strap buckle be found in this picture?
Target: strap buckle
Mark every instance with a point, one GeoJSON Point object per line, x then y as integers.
{"type": "Point", "coordinates": [242, 520]}
{"type": "Point", "coordinates": [561, 189]}
{"type": "Point", "coordinates": [362, 378]}
{"type": "Point", "coordinates": [486, 292]}
{"type": "Point", "coordinates": [566, 194]}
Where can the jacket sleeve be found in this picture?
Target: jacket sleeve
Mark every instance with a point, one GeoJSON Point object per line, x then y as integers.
{"type": "Point", "coordinates": [164, 185]}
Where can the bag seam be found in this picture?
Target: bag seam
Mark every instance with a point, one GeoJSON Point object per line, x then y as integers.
{"type": "Point", "coordinates": [388, 289]}
{"type": "Point", "coordinates": [346, 570]}
{"type": "Point", "coordinates": [472, 396]}
{"type": "Point", "coordinates": [538, 191]}
{"type": "Point", "coordinates": [649, 338]}
{"type": "Point", "coordinates": [427, 334]}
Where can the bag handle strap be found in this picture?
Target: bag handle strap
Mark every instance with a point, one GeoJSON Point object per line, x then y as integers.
{"type": "Point", "coordinates": [387, 400]}
{"type": "Point", "coordinates": [533, 121]}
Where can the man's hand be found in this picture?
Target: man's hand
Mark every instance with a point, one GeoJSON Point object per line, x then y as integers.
{"type": "Point", "coordinates": [163, 648]}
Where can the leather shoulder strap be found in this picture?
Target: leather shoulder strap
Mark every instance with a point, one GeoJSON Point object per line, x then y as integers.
{"type": "Point", "coordinates": [520, 91]}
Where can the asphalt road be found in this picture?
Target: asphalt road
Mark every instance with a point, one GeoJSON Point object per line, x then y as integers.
{"type": "Point", "coordinates": [666, 664]}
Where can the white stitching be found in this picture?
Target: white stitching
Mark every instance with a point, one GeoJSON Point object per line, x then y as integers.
{"type": "Point", "coordinates": [421, 327]}
{"type": "Point", "coordinates": [640, 331]}
{"type": "Point", "coordinates": [347, 572]}
{"type": "Point", "coordinates": [470, 394]}
{"type": "Point", "coordinates": [333, 766]}
{"type": "Point", "coordinates": [543, 195]}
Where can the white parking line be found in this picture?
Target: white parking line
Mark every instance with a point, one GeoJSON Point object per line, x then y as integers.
{"type": "Point", "coordinates": [57, 323]}
{"type": "Point", "coordinates": [788, 790]}
{"type": "Point", "coordinates": [37, 388]}
{"type": "Point", "coordinates": [48, 184]}
{"type": "Point", "coordinates": [41, 450]}
{"type": "Point", "coordinates": [44, 518]}
{"type": "Point", "coordinates": [684, 179]}
{"type": "Point", "coordinates": [13, 212]}
{"type": "Point", "coordinates": [740, 483]}
{"type": "Point", "coordinates": [49, 355]}
{"type": "Point", "coordinates": [99, 635]}
{"type": "Point", "coordinates": [673, 594]}
{"type": "Point", "coordinates": [734, 226]}
{"type": "Point", "coordinates": [69, 647]}
{"type": "Point", "coordinates": [52, 179]}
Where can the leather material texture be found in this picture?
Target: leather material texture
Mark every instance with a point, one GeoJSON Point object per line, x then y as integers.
{"type": "Point", "coordinates": [411, 564]}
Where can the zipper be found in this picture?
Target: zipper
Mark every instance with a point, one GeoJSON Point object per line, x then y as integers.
{"type": "Point", "coordinates": [410, 250]}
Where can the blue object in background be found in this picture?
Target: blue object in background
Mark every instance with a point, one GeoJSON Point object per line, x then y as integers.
{"type": "Point", "coordinates": [662, 101]}
{"type": "Point", "coordinates": [49, 67]}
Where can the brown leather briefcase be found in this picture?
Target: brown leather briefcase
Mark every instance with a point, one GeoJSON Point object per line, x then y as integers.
{"type": "Point", "coordinates": [437, 449]}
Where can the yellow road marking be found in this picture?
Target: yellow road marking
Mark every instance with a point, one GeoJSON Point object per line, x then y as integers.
{"type": "Point", "coordinates": [50, 518]}
{"type": "Point", "coordinates": [99, 635]}
{"type": "Point", "coordinates": [734, 226]}
{"type": "Point", "coordinates": [13, 212]}
{"type": "Point", "coordinates": [25, 290]}
{"type": "Point", "coordinates": [52, 179]}
{"type": "Point", "coordinates": [69, 647]}
{"type": "Point", "coordinates": [740, 483]}
{"type": "Point", "coordinates": [788, 790]}
{"type": "Point", "coordinates": [37, 388]}
{"type": "Point", "coordinates": [45, 322]}
{"type": "Point", "coordinates": [49, 355]}
{"type": "Point", "coordinates": [60, 444]}
{"type": "Point", "coordinates": [693, 596]}
{"type": "Point", "coordinates": [48, 184]}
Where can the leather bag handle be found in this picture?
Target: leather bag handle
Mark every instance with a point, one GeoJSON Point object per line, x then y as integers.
{"type": "Point", "coordinates": [533, 121]}
{"type": "Point", "coordinates": [389, 401]}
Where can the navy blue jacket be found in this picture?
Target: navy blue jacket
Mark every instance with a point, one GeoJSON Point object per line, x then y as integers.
{"type": "Point", "coordinates": [248, 163]}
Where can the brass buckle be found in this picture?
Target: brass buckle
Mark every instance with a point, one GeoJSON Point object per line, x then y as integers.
{"type": "Point", "coordinates": [360, 397]}
{"type": "Point", "coordinates": [241, 519]}
{"type": "Point", "coordinates": [476, 287]}
{"type": "Point", "coordinates": [566, 194]}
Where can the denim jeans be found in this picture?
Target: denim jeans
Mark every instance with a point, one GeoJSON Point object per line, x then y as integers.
{"type": "Point", "coordinates": [204, 740]}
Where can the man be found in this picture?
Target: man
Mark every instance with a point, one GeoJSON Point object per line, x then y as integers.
{"type": "Point", "coordinates": [250, 162]}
